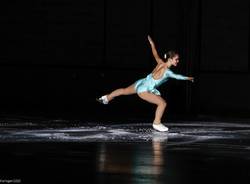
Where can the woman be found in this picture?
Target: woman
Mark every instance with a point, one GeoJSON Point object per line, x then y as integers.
{"type": "Point", "coordinates": [146, 87]}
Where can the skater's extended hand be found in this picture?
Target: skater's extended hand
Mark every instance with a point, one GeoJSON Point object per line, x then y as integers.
{"type": "Point", "coordinates": [150, 40]}
{"type": "Point", "coordinates": [191, 79]}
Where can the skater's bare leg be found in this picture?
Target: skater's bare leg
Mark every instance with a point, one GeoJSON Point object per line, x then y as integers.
{"type": "Point", "coordinates": [155, 99]}
{"type": "Point", "coordinates": [161, 105]}
{"type": "Point", "coordinates": [121, 91]}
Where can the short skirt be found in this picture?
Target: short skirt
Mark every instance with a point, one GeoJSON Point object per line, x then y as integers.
{"type": "Point", "coordinates": [147, 84]}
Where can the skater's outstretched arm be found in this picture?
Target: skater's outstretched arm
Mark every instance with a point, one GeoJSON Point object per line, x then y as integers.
{"type": "Point", "coordinates": [179, 77]}
{"type": "Point", "coordinates": [154, 51]}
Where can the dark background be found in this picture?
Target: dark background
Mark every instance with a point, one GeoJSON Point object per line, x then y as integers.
{"type": "Point", "coordinates": [57, 56]}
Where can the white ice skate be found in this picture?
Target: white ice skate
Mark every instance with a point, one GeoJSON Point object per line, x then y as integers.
{"type": "Point", "coordinates": [160, 127]}
{"type": "Point", "coordinates": [103, 100]}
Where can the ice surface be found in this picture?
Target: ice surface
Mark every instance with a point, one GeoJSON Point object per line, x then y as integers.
{"type": "Point", "coordinates": [180, 133]}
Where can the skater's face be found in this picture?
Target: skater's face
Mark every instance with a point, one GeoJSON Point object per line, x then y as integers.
{"type": "Point", "coordinates": [175, 60]}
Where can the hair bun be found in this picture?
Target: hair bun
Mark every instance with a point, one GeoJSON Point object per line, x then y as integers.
{"type": "Point", "coordinates": [170, 54]}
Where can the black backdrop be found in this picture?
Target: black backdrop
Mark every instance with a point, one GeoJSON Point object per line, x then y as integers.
{"type": "Point", "coordinates": [59, 55]}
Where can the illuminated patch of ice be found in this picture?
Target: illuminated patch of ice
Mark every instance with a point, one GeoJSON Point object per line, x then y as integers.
{"type": "Point", "coordinates": [120, 132]}
{"type": "Point", "coordinates": [179, 134]}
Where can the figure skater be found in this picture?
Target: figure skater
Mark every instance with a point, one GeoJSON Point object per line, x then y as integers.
{"type": "Point", "coordinates": [146, 87]}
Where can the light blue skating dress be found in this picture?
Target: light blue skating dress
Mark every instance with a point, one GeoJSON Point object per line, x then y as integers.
{"type": "Point", "coordinates": [150, 84]}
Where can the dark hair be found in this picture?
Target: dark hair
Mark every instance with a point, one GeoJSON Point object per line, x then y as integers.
{"type": "Point", "coordinates": [170, 54]}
